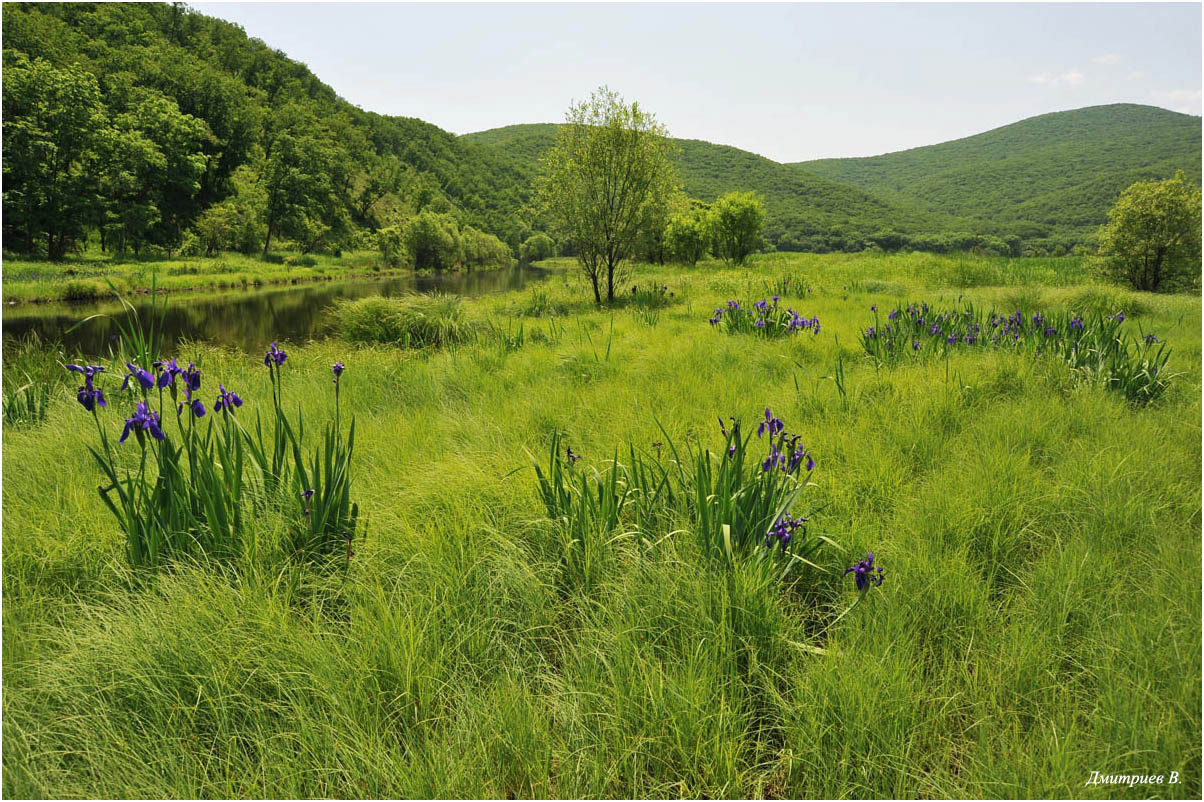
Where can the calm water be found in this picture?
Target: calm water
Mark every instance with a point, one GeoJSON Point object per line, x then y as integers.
{"type": "Point", "coordinates": [246, 319]}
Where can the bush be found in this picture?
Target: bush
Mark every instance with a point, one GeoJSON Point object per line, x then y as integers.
{"type": "Point", "coordinates": [1152, 238]}
{"type": "Point", "coordinates": [736, 221]}
{"type": "Point", "coordinates": [687, 235]}
{"type": "Point", "coordinates": [537, 247]}
{"type": "Point", "coordinates": [390, 243]}
{"type": "Point", "coordinates": [413, 321]}
{"type": "Point", "coordinates": [84, 290]}
{"type": "Point", "coordinates": [432, 240]}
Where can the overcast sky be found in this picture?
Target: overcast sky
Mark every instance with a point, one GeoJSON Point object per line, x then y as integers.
{"type": "Point", "coordinates": [788, 81]}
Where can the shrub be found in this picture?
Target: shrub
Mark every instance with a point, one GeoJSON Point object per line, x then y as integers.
{"type": "Point", "coordinates": [413, 321]}
{"type": "Point", "coordinates": [537, 247]}
{"type": "Point", "coordinates": [84, 290]}
{"type": "Point", "coordinates": [735, 226]}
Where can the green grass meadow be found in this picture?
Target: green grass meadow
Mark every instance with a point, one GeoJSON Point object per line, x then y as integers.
{"type": "Point", "coordinates": [1040, 617]}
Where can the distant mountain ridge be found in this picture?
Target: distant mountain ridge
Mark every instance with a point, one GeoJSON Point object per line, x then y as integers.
{"type": "Point", "coordinates": [1060, 172]}
{"type": "Point", "coordinates": [1048, 180]}
{"type": "Point", "coordinates": [799, 205]}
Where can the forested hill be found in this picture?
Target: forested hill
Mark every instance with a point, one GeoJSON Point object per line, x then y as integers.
{"type": "Point", "coordinates": [1057, 173]}
{"type": "Point", "coordinates": [157, 113]}
{"type": "Point", "coordinates": [803, 211]}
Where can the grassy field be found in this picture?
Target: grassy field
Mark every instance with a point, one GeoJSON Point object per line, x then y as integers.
{"type": "Point", "coordinates": [1040, 617]}
{"type": "Point", "coordinates": [83, 278]}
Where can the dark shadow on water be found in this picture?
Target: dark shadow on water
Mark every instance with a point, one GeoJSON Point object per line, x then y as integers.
{"type": "Point", "coordinates": [248, 320]}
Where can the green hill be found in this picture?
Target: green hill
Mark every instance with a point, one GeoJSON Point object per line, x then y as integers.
{"type": "Point", "coordinates": [803, 211]}
{"type": "Point", "coordinates": [221, 102]}
{"type": "Point", "coordinates": [1052, 176]}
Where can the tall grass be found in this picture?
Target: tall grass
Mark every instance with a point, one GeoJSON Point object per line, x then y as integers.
{"type": "Point", "coordinates": [1040, 617]}
{"type": "Point", "coordinates": [414, 321]}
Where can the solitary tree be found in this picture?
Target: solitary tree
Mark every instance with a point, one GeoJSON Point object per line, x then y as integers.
{"type": "Point", "coordinates": [1152, 237]}
{"type": "Point", "coordinates": [736, 221]}
{"type": "Point", "coordinates": [609, 163]}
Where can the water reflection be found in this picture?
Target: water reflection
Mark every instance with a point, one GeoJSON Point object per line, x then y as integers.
{"type": "Point", "coordinates": [247, 319]}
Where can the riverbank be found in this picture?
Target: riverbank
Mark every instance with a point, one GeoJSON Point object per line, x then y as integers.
{"type": "Point", "coordinates": [76, 280]}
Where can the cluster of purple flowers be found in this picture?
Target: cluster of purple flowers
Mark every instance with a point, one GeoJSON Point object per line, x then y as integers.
{"type": "Point", "coordinates": [768, 317]}
{"type": "Point", "coordinates": [918, 324]}
{"type": "Point", "coordinates": [163, 376]}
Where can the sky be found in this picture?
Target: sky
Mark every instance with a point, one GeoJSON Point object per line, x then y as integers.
{"type": "Point", "coordinates": [788, 81]}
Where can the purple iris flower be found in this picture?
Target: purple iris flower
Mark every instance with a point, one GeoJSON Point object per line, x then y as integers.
{"type": "Point", "coordinates": [90, 397]}
{"type": "Point", "coordinates": [89, 372]}
{"type": "Point", "coordinates": [783, 529]}
{"type": "Point", "coordinates": [307, 494]}
{"type": "Point", "coordinates": [1076, 323]}
{"type": "Point", "coordinates": [192, 377]}
{"type": "Point", "coordinates": [198, 409]}
{"type": "Point", "coordinates": [274, 355]}
{"type": "Point", "coordinates": [870, 333]}
{"type": "Point", "coordinates": [951, 339]}
{"type": "Point", "coordinates": [144, 378]}
{"type": "Point", "coordinates": [770, 424]}
{"type": "Point", "coordinates": [915, 345]}
{"type": "Point", "coordinates": [337, 370]}
{"type": "Point", "coordinates": [142, 420]}
{"type": "Point", "coordinates": [863, 573]}
{"type": "Point", "coordinates": [1119, 317]}
{"type": "Point", "coordinates": [226, 399]}
{"type": "Point", "coordinates": [760, 324]}
{"type": "Point", "coordinates": [1150, 339]}
{"type": "Point", "coordinates": [796, 457]}
{"type": "Point", "coordinates": [572, 458]}
{"type": "Point", "coordinates": [167, 372]}
{"type": "Point", "coordinates": [775, 458]}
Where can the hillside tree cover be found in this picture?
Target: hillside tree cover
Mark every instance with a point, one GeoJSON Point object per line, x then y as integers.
{"type": "Point", "coordinates": [608, 173]}
{"type": "Point", "coordinates": [1152, 237]}
{"type": "Point", "coordinates": [142, 126]}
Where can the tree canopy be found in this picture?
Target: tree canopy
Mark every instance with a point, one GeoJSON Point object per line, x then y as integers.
{"type": "Point", "coordinates": [608, 171]}
{"type": "Point", "coordinates": [1152, 237]}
